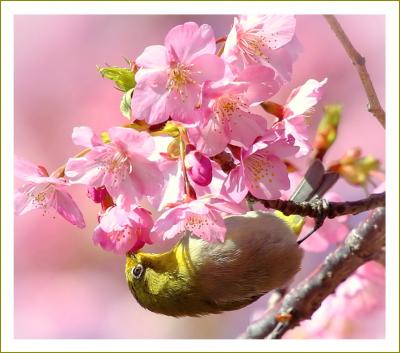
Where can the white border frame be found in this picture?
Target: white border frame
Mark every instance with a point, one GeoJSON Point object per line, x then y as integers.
{"type": "Point", "coordinates": [389, 9]}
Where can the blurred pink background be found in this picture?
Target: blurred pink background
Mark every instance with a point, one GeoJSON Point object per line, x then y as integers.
{"type": "Point", "coordinates": [65, 287]}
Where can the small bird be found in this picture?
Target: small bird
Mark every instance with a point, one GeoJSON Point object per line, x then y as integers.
{"type": "Point", "coordinates": [196, 278]}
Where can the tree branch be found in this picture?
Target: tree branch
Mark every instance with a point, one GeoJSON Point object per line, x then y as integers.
{"type": "Point", "coordinates": [361, 245]}
{"type": "Point", "coordinates": [374, 105]}
{"type": "Point", "coordinates": [322, 208]}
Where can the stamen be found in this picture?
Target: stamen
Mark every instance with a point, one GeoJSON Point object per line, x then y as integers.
{"type": "Point", "coordinates": [227, 105]}
{"type": "Point", "coordinates": [39, 196]}
{"type": "Point", "coordinates": [252, 45]}
{"type": "Point", "coordinates": [178, 78]}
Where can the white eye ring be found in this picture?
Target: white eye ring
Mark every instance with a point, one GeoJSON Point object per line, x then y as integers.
{"type": "Point", "coordinates": [137, 271]}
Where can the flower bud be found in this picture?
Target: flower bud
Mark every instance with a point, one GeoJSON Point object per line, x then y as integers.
{"type": "Point", "coordinates": [198, 167]}
{"type": "Point", "coordinates": [97, 194]}
{"type": "Point", "coordinates": [123, 77]}
{"type": "Point", "coordinates": [355, 168]}
{"type": "Point", "coordinates": [327, 130]}
{"type": "Point", "coordinates": [274, 109]}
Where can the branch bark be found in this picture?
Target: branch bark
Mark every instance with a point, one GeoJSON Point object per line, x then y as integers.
{"type": "Point", "coordinates": [358, 61]}
{"type": "Point", "coordinates": [361, 245]}
{"type": "Point", "coordinates": [322, 208]}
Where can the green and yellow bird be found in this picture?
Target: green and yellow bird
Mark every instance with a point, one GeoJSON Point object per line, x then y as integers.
{"type": "Point", "coordinates": [260, 253]}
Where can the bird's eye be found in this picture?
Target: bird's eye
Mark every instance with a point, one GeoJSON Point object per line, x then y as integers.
{"type": "Point", "coordinates": [137, 271]}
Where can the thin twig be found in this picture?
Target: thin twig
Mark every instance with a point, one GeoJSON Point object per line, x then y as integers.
{"type": "Point", "coordinates": [323, 208]}
{"type": "Point", "coordinates": [361, 245]}
{"type": "Point", "coordinates": [374, 105]}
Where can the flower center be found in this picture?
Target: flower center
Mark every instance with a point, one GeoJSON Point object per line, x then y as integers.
{"type": "Point", "coordinates": [119, 166]}
{"type": "Point", "coordinates": [118, 161]}
{"type": "Point", "coordinates": [195, 222]}
{"type": "Point", "coordinates": [227, 105]}
{"type": "Point", "coordinates": [178, 78]}
{"type": "Point", "coordinates": [260, 168]}
{"type": "Point", "coordinates": [252, 45]}
{"type": "Point", "coordinates": [39, 196]}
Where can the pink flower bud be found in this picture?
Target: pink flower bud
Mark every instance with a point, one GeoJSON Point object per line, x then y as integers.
{"type": "Point", "coordinates": [97, 194]}
{"type": "Point", "coordinates": [199, 167]}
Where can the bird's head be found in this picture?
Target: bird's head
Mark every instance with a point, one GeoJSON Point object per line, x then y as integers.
{"type": "Point", "coordinates": [156, 280]}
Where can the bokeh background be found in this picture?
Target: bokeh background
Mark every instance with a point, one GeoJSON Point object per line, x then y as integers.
{"type": "Point", "coordinates": [65, 287]}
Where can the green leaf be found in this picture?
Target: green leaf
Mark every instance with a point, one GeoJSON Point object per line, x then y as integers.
{"type": "Point", "coordinates": [125, 105]}
{"type": "Point", "coordinates": [123, 77]}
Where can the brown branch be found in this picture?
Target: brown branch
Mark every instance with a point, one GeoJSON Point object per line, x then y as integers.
{"type": "Point", "coordinates": [323, 208]}
{"type": "Point", "coordinates": [374, 105]}
{"type": "Point", "coordinates": [361, 245]}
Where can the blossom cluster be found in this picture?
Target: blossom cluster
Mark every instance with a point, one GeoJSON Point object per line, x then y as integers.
{"type": "Point", "coordinates": [158, 177]}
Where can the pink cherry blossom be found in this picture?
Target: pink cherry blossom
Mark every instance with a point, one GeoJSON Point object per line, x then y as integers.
{"type": "Point", "coordinates": [263, 39]}
{"type": "Point", "coordinates": [228, 116]}
{"type": "Point", "coordinates": [202, 218]}
{"type": "Point", "coordinates": [122, 230]}
{"type": "Point", "coordinates": [261, 171]}
{"type": "Point", "coordinates": [296, 110]}
{"type": "Point", "coordinates": [169, 82]}
{"type": "Point", "coordinates": [42, 191]}
{"type": "Point", "coordinates": [174, 189]}
{"type": "Point", "coordinates": [342, 314]}
{"type": "Point", "coordinates": [122, 166]}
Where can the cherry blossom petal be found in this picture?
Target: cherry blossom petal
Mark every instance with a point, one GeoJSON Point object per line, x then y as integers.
{"type": "Point", "coordinates": [227, 206]}
{"type": "Point", "coordinates": [123, 230]}
{"type": "Point", "coordinates": [153, 56]}
{"type": "Point", "coordinates": [298, 129]}
{"type": "Point", "coordinates": [87, 170]}
{"type": "Point", "coordinates": [282, 148]}
{"type": "Point", "coordinates": [207, 67]}
{"type": "Point", "coordinates": [148, 176]}
{"type": "Point", "coordinates": [234, 186]}
{"type": "Point", "coordinates": [173, 189]}
{"type": "Point", "coordinates": [282, 60]}
{"type": "Point", "coordinates": [210, 227]}
{"type": "Point", "coordinates": [279, 29]}
{"type": "Point", "coordinates": [66, 207]}
{"type": "Point", "coordinates": [33, 196]}
{"type": "Point", "coordinates": [304, 97]}
{"type": "Point", "coordinates": [169, 224]}
{"type": "Point", "coordinates": [184, 107]}
{"type": "Point", "coordinates": [262, 83]}
{"type": "Point", "coordinates": [84, 136]}
{"type": "Point", "coordinates": [266, 175]}
{"type": "Point", "coordinates": [210, 138]}
{"type": "Point", "coordinates": [128, 190]}
{"type": "Point", "coordinates": [115, 218]}
{"type": "Point", "coordinates": [245, 128]}
{"type": "Point", "coordinates": [230, 48]}
{"type": "Point", "coordinates": [149, 101]}
{"type": "Point", "coordinates": [100, 237]}
{"type": "Point", "coordinates": [190, 41]}
{"type": "Point", "coordinates": [27, 170]}
{"type": "Point", "coordinates": [22, 202]}
{"type": "Point", "coordinates": [132, 141]}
